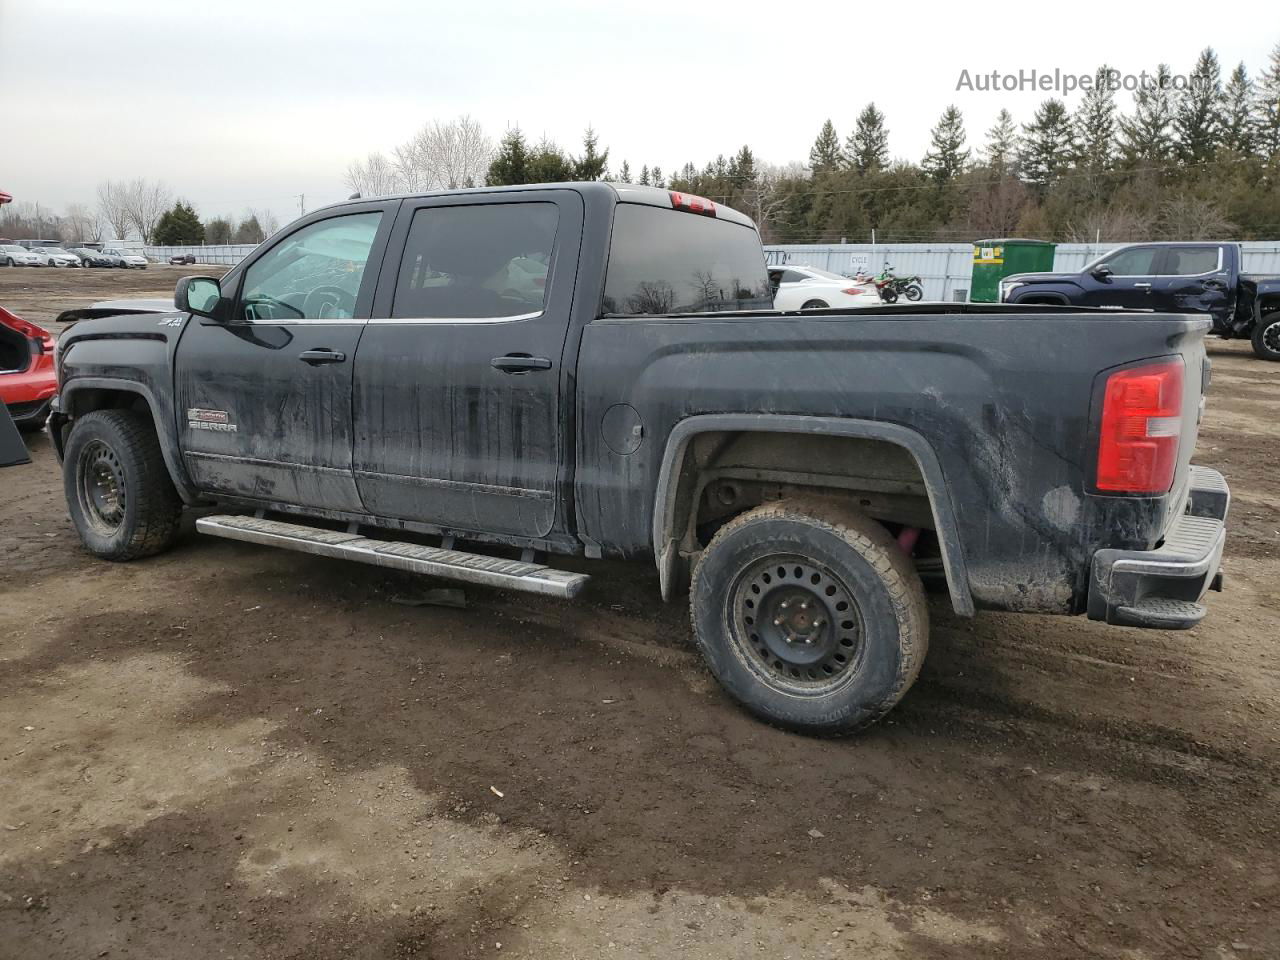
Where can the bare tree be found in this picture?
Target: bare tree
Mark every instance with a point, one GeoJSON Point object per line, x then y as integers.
{"type": "Point", "coordinates": [80, 223]}
{"type": "Point", "coordinates": [146, 201]}
{"type": "Point", "coordinates": [114, 207]}
{"type": "Point", "coordinates": [439, 156]}
{"type": "Point", "coordinates": [1190, 218]}
{"type": "Point", "coordinates": [375, 176]}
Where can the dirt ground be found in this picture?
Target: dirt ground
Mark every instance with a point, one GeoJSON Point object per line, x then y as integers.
{"type": "Point", "coordinates": [230, 751]}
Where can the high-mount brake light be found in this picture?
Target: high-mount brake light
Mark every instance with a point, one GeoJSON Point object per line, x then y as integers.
{"type": "Point", "coordinates": [1141, 428]}
{"type": "Point", "coordinates": [688, 202]}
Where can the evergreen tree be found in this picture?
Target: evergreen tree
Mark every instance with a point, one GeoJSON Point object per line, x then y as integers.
{"type": "Point", "coordinates": [1146, 137]}
{"type": "Point", "coordinates": [218, 230]}
{"type": "Point", "coordinates": [592, 165]}
{"type": "Point", "coordinates": [178, 226]}
{"type": "Point", "coordinates": [644, 175]}
{"type": "Point", "coordinates": [510, 164]}
{"type": "Point", "coordinates": [1095, 123]}
{"type": "Point", "coordinates": [868, 145]}
{"type": "Point", "coordinates": [624, 173]}
{"type": "Point", "coordinates": [1268, 108]}
{"type": "Point", "coordinates": [825, 156]}
{"type": "Point", "coordinates": [249, 231]}
{"type": "Point", "coordinates": [948, 154]}
{"type": "Point", "coordinates": [548, 164]}
{"type": "Point", "coordinates": [1197, 119]}
{"type": "Point", "coordinates": [655, 177]}
{"type": "Point", "coordinates": [1001, 151]}
{"type": "Point", "coordinates": [1239, 122]}
{"type": "Point", "coordinates": [1048, 143]}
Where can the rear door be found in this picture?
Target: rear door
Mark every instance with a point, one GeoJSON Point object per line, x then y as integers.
{"type": "Point", "coordinates": [1133, 272]}
{"type": "Point", "coordinates": [458, 413]}
{"type": "Point", "coordinates": [1195, 279]}
{"type": "Point", "coordinates": [265, 398]}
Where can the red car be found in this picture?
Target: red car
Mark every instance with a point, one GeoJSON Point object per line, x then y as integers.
{"type": "Point", "coordinates": [28, 379]}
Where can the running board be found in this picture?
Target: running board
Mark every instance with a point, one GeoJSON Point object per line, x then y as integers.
{"type": "Point", "coordinates": [413, 557]}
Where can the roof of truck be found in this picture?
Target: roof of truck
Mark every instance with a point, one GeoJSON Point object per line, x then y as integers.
{"type": "Point", "coordinates": [621, 192]}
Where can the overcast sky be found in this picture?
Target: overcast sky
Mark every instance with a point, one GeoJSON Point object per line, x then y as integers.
{"type": "Point", "coordinates": [249, 104]}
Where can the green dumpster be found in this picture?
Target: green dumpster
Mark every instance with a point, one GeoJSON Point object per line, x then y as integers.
{"type": "Point", "coordinates": [993, 260]}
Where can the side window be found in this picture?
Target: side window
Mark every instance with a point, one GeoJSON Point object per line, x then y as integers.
{"type": "Point", "coordinates": [486, 261]}
{"type": "Point", "coordinates": [314, 274]}
{"type": "Point", "coordinates": [1189, 261]}
{"type": "Point", "coordinates": [1134, 262]}
{"type": "Point", "coordinates": [795, 276]}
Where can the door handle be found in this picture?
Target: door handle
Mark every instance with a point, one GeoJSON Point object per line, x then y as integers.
{"type": "Point", "coordinates": [322, 355]}
{"type": "Point", "coordinates": [1142, 286]}
{"type": "Point", "coordinates": [520, 363]}
{"type": "Point", "coordinates": [1213, 284]}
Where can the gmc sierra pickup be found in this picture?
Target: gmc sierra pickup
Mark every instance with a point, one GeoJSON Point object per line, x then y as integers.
{"type": "Point", "coordinates": [461, 384]}
{"type": "Point", "coordinates": [1202, 278]}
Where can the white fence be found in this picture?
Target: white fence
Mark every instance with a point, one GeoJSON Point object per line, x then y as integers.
{"type": "Point", "coordinates": [945, 268]}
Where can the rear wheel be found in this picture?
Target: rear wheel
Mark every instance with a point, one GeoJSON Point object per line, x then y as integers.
{"type": "Point", "coordinates": [1266, 337]}
{"type": "Point", "coordinates": [913, 291]}
{"type": "Point", "coordinates": [122, 502]}
{"type": "Point", "coordinates": [815, 305]}
{"type": "Point", "coordinates": [810, 616]}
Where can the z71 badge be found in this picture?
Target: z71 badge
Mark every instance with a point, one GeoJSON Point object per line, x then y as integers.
{"type": "Point", "coordinates": [219, 420]}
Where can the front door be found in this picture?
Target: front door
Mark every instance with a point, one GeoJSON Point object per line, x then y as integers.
{"type": "Point", "coordinates": [458, 376]}
{"type": "Point", "coordinates": [265, 398]}
{"type": "Point", "coordinates": [1133, 271]}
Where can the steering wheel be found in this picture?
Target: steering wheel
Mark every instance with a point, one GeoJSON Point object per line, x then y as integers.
{"type": "Point", "coordinates": [328, 303]}
{"type": "Point", "coordinates": [262, 298]}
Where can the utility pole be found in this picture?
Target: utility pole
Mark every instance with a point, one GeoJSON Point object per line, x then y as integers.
{"type": "Point", "coordinates": [302, 204]}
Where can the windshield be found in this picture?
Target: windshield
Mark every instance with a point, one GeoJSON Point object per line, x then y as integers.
{"type": "Point", "coordinates": [667, 261]}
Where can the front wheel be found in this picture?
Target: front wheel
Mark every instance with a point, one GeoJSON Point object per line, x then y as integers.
{"type": "Point", "coordinates": [1266, 337]}
{"type": "Point", "coordinates": [810, 616]}
{"type": "Point", "coordinates": [913, 291]}
{"type": "Point", "coordinates": [122, 501]}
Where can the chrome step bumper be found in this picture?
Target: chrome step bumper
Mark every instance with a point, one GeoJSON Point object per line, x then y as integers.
{"type": "Point", "coordinates": [413, 557]}
{"type": "Point", "coordinates": [1162, 588]}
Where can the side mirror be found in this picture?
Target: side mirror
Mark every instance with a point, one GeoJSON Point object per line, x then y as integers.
{"type": "Point", "coordinates": [1102, 271]}
{"type": "Point", "coordinates": [201, 296]}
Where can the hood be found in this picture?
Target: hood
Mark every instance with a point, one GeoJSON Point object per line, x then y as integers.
{"type": "Point", "coordinates": [1040, 277]}
{"type": "Point", "coordinates": [110, 308]}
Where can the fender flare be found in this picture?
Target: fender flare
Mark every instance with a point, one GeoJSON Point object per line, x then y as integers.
{"type": "Point", "coordinates": [164, 430]}
{"type": "Point", "coordinates": [1059, 299]}
{"type": "Point", "coordinates": [944, 514]}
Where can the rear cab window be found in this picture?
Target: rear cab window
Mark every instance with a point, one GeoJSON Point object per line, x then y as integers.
{"type": "Point", "coordinates": [669, 261]}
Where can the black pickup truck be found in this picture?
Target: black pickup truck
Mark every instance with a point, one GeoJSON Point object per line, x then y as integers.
{"type": "Point", "coordinates": [1173, 277]}
{"type": "Point", "coordinates": [461, 384]}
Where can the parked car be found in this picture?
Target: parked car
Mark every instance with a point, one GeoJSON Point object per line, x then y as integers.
{"type": "Point", "coordinates": [130, 260]}
{"type": "Point", "coordinates": [93, 258]}
{"type": "Point", "coordinates": [56, 256]}
{"type": "Point", "coordinates": [1178, 277]}
{"type": "Point", "coordinates": [183, 258]}
{"type": "Point", "coordinates": [27, 377]}
{"type": "Point", "coordinates": [797, 287]}
{"type": "Point", "coordinates": [801, 474]}
{"type": "Point", "coordinates": [12, 255]}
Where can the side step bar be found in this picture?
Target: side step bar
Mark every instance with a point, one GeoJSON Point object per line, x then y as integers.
{"type": "Point", "coordinates": [432, 561]}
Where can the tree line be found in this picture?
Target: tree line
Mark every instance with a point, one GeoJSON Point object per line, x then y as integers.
{"type": "Point", "coordinates": [140, 208]}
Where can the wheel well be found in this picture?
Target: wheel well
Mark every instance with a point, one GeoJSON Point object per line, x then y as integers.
{"type": "Point", "coordinates": [724, 473]}
{"type": "Point", "coordinates": [1055, 299]}
{"type": "Point", "coordinates": [89, 399]}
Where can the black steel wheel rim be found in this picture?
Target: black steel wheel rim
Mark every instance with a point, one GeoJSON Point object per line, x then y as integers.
{"type": "Point", "coordinates": [1271, 336]}
{"type": "Point", "coordinates": [796, 625]}
{"type": "Point", "coordinates": [101, 485]}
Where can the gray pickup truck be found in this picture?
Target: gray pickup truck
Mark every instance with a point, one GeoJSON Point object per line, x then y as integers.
{"type": "Point", "coordinates": [468, 384]}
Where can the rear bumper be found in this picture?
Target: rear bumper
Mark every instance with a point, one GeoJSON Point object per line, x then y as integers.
{"type": "Point", "coordinates": [1162, 588]}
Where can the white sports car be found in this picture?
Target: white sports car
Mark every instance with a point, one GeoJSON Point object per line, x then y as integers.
{"type": "Point", "coordinates": [808, 288]}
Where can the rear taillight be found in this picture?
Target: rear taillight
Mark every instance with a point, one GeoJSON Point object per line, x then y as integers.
{"type": "Point", "coordinates": [687, 201]}
{"type": "Point", "coordinates": [1141, 427]}
{"type": "Point", "coordinates": [853, 291]}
